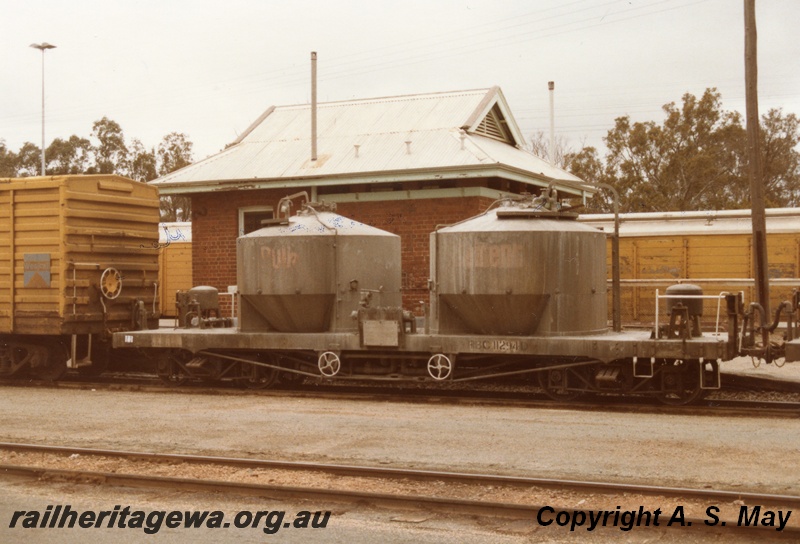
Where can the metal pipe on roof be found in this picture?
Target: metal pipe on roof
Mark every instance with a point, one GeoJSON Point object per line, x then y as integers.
{"type": "Point", "coordinates": [313, 105]}
{"type": "Point", "coordinates": [551, 85]}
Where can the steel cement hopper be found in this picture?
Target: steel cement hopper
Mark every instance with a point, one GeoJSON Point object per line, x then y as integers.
{"type": "Point", "coordinates": [519, 270]}
{"type": "Point", "coordinates": [310, 272]}
{"type": "Point", "coordinates": [286, 313]}
{"type": "Point", "coordinates": [488, 314]}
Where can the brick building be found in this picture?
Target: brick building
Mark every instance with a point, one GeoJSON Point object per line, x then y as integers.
{"type": "Point", "coordinates": [403, 164]}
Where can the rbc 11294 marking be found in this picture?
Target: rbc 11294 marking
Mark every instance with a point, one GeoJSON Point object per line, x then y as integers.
{"type": "Point", "coordinates": [494, 346]}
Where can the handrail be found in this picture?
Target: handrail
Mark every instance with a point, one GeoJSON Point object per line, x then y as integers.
{"type": "Point", "coordinates": [653, 282]}
{"type": "Point", "coordinates": [719, 299]}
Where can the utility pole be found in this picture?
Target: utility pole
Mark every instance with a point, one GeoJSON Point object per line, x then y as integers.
{"type": "Point", "coordinates": [755, 170]}
{"type": "Point", "coordinates": [44, 46]}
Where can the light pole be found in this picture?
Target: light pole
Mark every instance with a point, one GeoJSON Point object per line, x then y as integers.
{"type": "Point", "coordinates": [44, 46]}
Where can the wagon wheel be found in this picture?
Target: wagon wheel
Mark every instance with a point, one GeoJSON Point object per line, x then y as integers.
{"type": "Point", "coordinates": [170, 369]}
{"type": "Point", "coordinates": [684, 384]}
{"type": "Point", "coordinates": [554, 384]}
{"type": "Point", "coordinates": [50, 362]}
{"type": "Point", "coordinates": [258, 377]}
{"type": "Point", "coordinates": [329, 364]}
{"type": "Point", "coordinates": [440, 367]}
{"type": "Point", "coordinates": [17, 361]}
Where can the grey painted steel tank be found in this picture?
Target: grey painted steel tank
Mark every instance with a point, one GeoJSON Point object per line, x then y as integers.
{"type": "Point", "coordinates": [519, 269]}
{"type": "Point", "coordinates": [688, 290]}
{"type": "Point", "coordinates": [311, 272]}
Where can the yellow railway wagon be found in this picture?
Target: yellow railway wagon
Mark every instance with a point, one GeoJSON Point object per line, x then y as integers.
{"type": "Point", "coordinates": [175, 264]}
{"type": "Point", "coordinates": [78, 260]}
{"type": "Point", "coordinates": [711, 249]}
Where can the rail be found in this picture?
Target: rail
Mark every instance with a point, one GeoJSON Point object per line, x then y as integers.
{"type": "Point", "coordinates": [455, 492]}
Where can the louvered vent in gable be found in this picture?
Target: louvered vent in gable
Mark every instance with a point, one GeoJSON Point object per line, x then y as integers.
{"type": "Point", "coordinates": [494, 126]}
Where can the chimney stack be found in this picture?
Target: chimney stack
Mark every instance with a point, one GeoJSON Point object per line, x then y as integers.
{"type": "Point", "coordinates": [313, 105]}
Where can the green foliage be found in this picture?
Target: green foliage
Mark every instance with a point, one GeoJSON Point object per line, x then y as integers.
{"type": "Point", "coordinates": [780, 139]}
{"type": "Point", "coordinates": [29, 160]}
{"type": "Point", "coordinates": [111, 152]}
{"type": "Point", "coordinates": [72, 156]}
{"type": "Point", "coordinates": [141, 162]}
{"type": "Point", "coordinates": [8, 161]}
{"type": "Point", "coordinates": [695, 160]}
{"type": "Point", "coordinates": [110, 155]}
{"type": "Point", "coordinates": [176, 208]}
{"type": "Point", "coordinates": [174, 152]}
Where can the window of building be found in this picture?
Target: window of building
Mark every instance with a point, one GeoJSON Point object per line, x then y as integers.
{"type": "Point", "coordinates": [250, 218]}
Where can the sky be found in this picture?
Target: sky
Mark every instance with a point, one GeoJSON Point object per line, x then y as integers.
{"type": "Point", "coordinates": [209, 69]}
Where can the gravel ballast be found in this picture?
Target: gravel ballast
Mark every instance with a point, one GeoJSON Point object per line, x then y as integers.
{"type": "Point", "coordinates": [754, 454]}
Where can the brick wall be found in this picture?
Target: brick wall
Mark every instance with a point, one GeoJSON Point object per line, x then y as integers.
{"type": "Point", "coordinates": [413, 221]}
{"type": "Point", "coordinates": [215, 224]}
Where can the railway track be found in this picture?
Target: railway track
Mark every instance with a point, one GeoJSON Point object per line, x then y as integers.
{"type": "Point", "coordinates": [527, 498]}
{"type": "Point", "coordinates": [517, 398]}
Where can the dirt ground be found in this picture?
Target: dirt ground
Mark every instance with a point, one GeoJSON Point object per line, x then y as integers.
{"type": "Point", "coordinates": [755, 454]}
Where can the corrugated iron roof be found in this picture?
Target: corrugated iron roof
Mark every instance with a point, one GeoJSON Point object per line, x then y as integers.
{"type": "Point", "coordinates": [779, 220]}
{"type": "Point", "coordinates": [372, 140]}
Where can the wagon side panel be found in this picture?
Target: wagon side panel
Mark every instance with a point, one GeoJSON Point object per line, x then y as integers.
{"type": "Point", "coordinates": [30, 256]}
{"type": "Point", "coordinates": [110, 237]}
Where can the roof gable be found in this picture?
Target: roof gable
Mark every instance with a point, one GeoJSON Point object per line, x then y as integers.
{"type": "Point", "coordinates": [492, 118]}
{"type": "Point", "coordinates": [494, 125]}
{"type": "Point", "coordinates": [455, 134]}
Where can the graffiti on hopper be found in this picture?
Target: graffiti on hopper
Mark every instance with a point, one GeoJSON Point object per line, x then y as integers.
{"type": "Point", "coordinates": [170, 237]}
{"type": "Point", "coordinates": [498, 256]}
{"type": "Point", "coordinates": [174, 236]}
{"type": "Point", "coordinates": [280, 258]}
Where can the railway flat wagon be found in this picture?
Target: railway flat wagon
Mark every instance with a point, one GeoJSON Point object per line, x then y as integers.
{"type": "Point", "coordinates": [78, 261]}
{"type": "Point", "coordinates": [519, 289]}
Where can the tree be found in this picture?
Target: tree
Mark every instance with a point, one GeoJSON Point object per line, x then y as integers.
{"type": "Point", "coordinates": [8, 161]}
{"type": "Point", "coordinates": [111, 154]}
{"type": "Point", "coordinates": [29, 160]}
{"type": "Point", "coordinates": [142, 162]}
{"type": "Point", "coordinates": [680, 165]}
{"type": "Point", "coordinates": [780, 158]}
{"type": "Point", "coordinates": [587, 165]}
{"type": "Point", "coordinates": [174, 152]}
{"type": "Point", "coordinates": [540, 146]}
{"type": "Point", "coordinates": [66, 157]}
{"type": "Point", "coordinates": [695, 160]}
